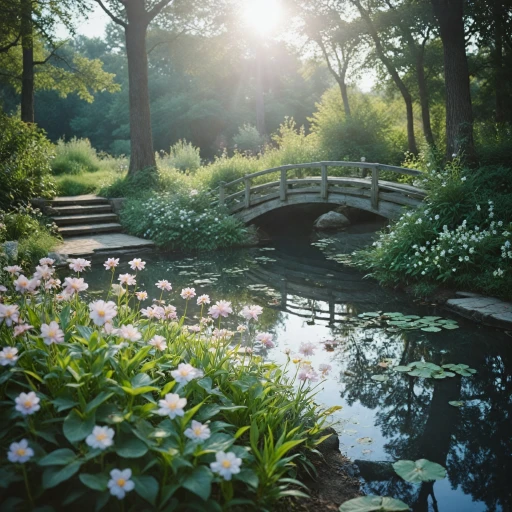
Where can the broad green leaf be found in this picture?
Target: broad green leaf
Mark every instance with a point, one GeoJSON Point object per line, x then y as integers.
{"type": "Point", "coordinates": [374, 504]}
{"type": "Point", "coordinates": [456, 403]}
{"type": "Point", "coordinates": [60, 457]}
{"type": "Point", "coordinates": [199, 482]}
{"type": "Point", "coordinates": [146, 487]}
{"type": "Point", "coordinates": [249, 477]}
{"type": "Point", "coordinates": [380, 378]}
{"type": "Point", "coordinates": [77, 428]}
{"type": "Point", "coordinates": [54, 476]}
{"type": "Point", "coordinates": [431, 329]}
{"type": "Point", "coordinates": [63, 403]}
{"type": "Point", "coordinates": [422, 470]}
{"type": "Point", "coordinates": [102, 397]}
{"type": "Point", "coordinates": [130, 448]}
{"type": "Point", "coordinates": [401, 368]}
{"type": "Point", "coordinates": [96, 482]}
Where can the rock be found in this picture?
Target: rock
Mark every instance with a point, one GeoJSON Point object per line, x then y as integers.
{"type": "Point", "coordinates": [331, 221]}
{"type": "Point", "coordinates": [117, 204]}
{"type": "Point", "coordinates": [60, 259]}
{"type": "Point", "coordinates": [11, 250]}
{"type": "Point", "coordinates": [487, 310]}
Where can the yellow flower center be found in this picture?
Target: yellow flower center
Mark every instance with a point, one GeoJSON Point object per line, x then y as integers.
{"type": "Point", "coordinates": [101, 436]}
{"type": "Point", "coordinates": [101, 312]}
{"type": "Point", "coordinates": [197, 431]}
{"type": "Point", "coordinates": [121, 482]}
{"type": "Point", "coordinates": [226, 464]}
{"type": "Point", "coordinates": [27, 403]}
{"type": "Point", "coordinates": [184, 373]}
{"type": "Point", "coordinates": [52, 333]}
{"type": "Point", "coordinates": [172, 406]}
{"type": "Point", "coordinates": [20, 452]}
{"type": "Point", "coordinates": [9, 355]}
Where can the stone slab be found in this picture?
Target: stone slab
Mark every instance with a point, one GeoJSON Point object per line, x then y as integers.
{"type": "Point", "coordinates": [487, 310]}
{"type": "Point", "coordinates": [88, 245]}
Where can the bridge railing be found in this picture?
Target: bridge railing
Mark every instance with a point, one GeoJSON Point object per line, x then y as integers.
{"type": "Point", "coordinates": [243, 198]}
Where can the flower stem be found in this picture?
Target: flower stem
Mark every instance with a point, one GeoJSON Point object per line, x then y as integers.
{"type": "Point", "coordinates": [27, 487]}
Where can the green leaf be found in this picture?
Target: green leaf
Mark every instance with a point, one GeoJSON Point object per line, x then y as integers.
{"type": "Point", "coordinates": [431, 329]}
{"type": "Point", "coordinates": [249, 477]}
{"type": "Point", "coordinates": [63, 403]}
{"type": "Point", "coordinates": [450, 326]}
{"type": "Point", "coordinates": [380, 378]}
{"type": "Point", "coordinates": [401, 368]}
{"type": "Point", "coordinates": [374, 504]}
{"type": "Point", "coordinates": [420, 471]}
{"type": "Point", "coordinates": [199, 482]}
{"type": "Point", "coordinates": [54, 476]}
{"type": "Point", "coordinates": [60, 457]}
{"type": "Point", "coordinates": [457, 403]}
{"type": "Point", "coordinates": [102, 397]}
{"type": "Point", "coordinates": [77, 428]}
{"type": "Point", "coordinates": [97, 482]}
{"type": "Point", "coordinates": [131, 448]}
{"type": "Point", "coordinates": [146, 487]}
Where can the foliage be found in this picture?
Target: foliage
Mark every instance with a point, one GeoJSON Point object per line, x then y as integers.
{"type": "Point", "coordinates": [182, 156]}
{"type": "Point", "coordinates": [374, 504]}
{"type": "Point", "coordinates": [87, 373]}
{"type": "Point", "coordinates": [75, 157]}
{"type": "Point", "coordinates": [183, 222]}
{"type": "Point", "coordinates": [460, 237]}
{"type": "Point", "coordinates": [248, 139]}
{"type": "Point", "coordinates": [25, 155]}
{"type": "Point", "coordinates": [422, 470]}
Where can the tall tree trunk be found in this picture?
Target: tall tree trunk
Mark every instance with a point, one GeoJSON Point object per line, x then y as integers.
{"type": "Point", "coordinates": [344, 97]}
{"type": "Point", "coordinates": [459, 115]}
{"type": "Point", "coordinates": [500, 87]}
{"type": "Point", "coordinates": [142, 155]}
{"type": "Point", "coordinates": [411, 139]}
{"type": "Point", "coordinates": [27, 78]}
{"type": "Point", "coordinates": [260, 98]}
{"type": "Point", "coordinates": [423, 93]}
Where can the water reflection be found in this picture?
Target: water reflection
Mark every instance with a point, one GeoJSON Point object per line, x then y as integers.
{"type": "Point", "coordinates": [307, 298]}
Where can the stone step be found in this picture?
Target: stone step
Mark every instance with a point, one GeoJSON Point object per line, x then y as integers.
{"type": "Point", "coordinates": [81, 210]}
{"type": "Point", "coordinates": [86, 229]}
{"type": "Point", "coordinates": [75, 220]}
{"type": "Point", "coordinates": [88, 199]}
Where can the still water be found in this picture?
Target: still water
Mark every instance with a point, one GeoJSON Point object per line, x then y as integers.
{"type": "Point", "coordinates": [308, 298]}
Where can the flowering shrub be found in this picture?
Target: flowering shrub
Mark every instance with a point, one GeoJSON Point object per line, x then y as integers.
{"type": "Point", "coordinates": [102, 401]}
{"type": "Point", "coordinates": [183, 222]}
{"type": "Point", "coordinates": [462, 235]}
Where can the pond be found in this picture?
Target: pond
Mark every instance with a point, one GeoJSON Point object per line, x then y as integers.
{"type": "Point", "coordinates": [463, 423]}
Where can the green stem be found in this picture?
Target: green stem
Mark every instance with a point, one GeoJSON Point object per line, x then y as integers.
{"type": "Point", "coordinates": [27, 487]}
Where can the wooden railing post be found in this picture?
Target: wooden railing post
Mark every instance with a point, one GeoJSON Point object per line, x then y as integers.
{"type": "Point", "coordinates": [222, 193]}
{"type": "Point", "coordinates": [324, 184]}
{"type": "Point", "coordinates": [247, 182]}
{"type": "Point", "coordinates": [375, 187]}
{"type": "Point", "coordinates": [283, 185]}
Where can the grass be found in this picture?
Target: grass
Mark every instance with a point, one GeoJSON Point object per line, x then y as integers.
{"type": "Point", "coordinates": [86, 183]}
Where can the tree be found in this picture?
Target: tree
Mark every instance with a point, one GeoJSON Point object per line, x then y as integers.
{"type": "Point", "coordinates": [135, 17]}
{"type": "Point", "coordinates": [459, 114]}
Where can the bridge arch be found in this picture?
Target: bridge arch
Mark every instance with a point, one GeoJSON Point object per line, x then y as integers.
{"type": "Point", "coordinates": [259, 193]}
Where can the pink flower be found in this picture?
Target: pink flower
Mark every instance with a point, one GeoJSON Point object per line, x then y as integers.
{"type": "Point", "coordinates": [46, 261]}
{"type": "Point", "coordinates": [74, 285]}
{"type": "Point", "coordinates": [79, 264]}
{"type": "Point", "coordinates": [141, 295]}
{"type": "Point", "coordinates": [203, 299]}
{"type": "Point", "coordinates": [43, 272]}
{"type": "Point", "coordinates": [307, 349]}
{"type": "Point", "coordinates": [308, 374]}
{"type": "Point", "coordinates": [241, 328]}
{"type": "Point", "coordinates": [221, 308]}
{"type": "Point", "coordinates": [52, 333]}
{"type": "Point", "coordinates": [137, 264]}
{"type": "Point", "coordinates": [111, 263]}
{"type": "Point", "coordinates": [170, 312]}
{"type": "Point", "coordinates": [164, 285]}
{"type": "Point", "coordinates": [158, 342]}
{"type": "Point", "coordinates": [101, 312]}
{"type": "Point", "coordinates": [251, 312]}
{"type": "Point", "coordinates": [194, 328]}
{"type": "Point", "coordinates": [20, 329]}
{"type": "Point", "coordinates": [265, 338]}
{"type": "Point", "coordinates": [128, 332]}
{"type": "Point", "coordinates": [52, 283]}
{"type": "Point", "coordinates": [325, 369]}
{"type": "Point", "coordinates": [23, 284]}
{"type": "Point", "coordinates": [188, 293]}
{"type": "Point", "coordinates": [14, 270]}
{"type": "Point", "coordinates": [9, 314]}
{"type": "Point", "coordinates": [150, 312]}
{"type": "Point", "coordinates": [127, 279]}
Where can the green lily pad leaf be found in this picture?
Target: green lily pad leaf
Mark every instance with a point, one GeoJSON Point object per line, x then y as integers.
{"type": "Point", "coordinates": [369, 314]}
{"type": "Point", "coordinates": [431, 328]}
{"type": "Point", "coordinates": [422, 470]}
{"type": "Point", "coordinates": [413, 317]}
{"type": "Point", "coordinates": [402, 368]}
{"type": "Point", "coordinates": [450, 326]}
{"type": "Point", "coordinates": [380, 378]}
{"type": "Point", "coordinates": [373, 504]}
{"type": "Point", "coordinates": [393, 314]}
{"type": "Point", "coordinates": [431, 318]}
{"type": "Point", "coordinates": [365, 440]}
{"type": "Point", "coordinates": [456, 403]}
{"type": "Point", "coordinates": [424, 373]}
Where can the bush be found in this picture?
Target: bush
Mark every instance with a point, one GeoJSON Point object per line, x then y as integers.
{"type": "Point", "coordinates": [182, 156]}
{"type": "Point", "coordinates": [248, 139]}
{"type": "Point", "coordinates": [25, 155]}
{"type": "Point", "coordinates": [93, 397]}
{"type": "Point", "coordinates": [75, 157]}
{"type": "Point", "coordinates": [182, 222]}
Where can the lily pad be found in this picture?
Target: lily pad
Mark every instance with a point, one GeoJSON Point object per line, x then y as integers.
{"type": "Point", "coordinates": [380, 378]}
{"type": "Point", "coordinates": [401, 368]}
{"type": "Point", "coordinates": [365, 440]}
{"type": "Point", "coordinates": [456, 403]}
{"type": "Point", "coordinates": [431, 329]}
{"type": "Point", "coordinates": [419, 471]}
{"type": "Point", "coordinates": [374, 504]}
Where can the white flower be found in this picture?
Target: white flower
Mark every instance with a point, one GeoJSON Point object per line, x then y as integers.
{"type": "Point", "coordinates": [241, 328]}
{"type": "Point", "coordinates": [20, 452]}
{"type": "Point", "coordinates": [197, 431]}
{"type": "Point", "coordinates": [164, 285]}
{"type": "Point", "coordinates": [325, 368]}
{"type": "Point", "coordinates": [188, 293]}
{"type": "Point", "coordinates": [101, 437]}
{"type": "Point", "coordinates": [23, 284]}
{"type": "Point", "coordinates": [101, 311]}
{"type": "Point", "coordinates": [43, 272]}
{"type": "Point", "coordinates": [8, 356]}
{"type": "Point", "coordinates": [141, 295]}
{"type": "Point", "coordinates": [185, 373]}
{"type": "Point", "coordinates": [203, 299]}
{"type": "Point", "coordinates": [120, 483]}
{"type": "Point", "coordinates": [307, 349]}
{"type": "Point", "coordinates": [158, 342]}
{"type": "Point", "coordinates": [253, 312]}
{"type": "Point", "coordinates": [308, 374]}
{"type": "Point", "coordinates": [79, 264]}
{"type": "Point", "coordinates": [172, 406]}
{"type": "Point", "coordinates": [27, 403]}
{"type": "Point", "coordinates": [111, 263]}
{"type": "Point", "coordinates": [221, 308]}
{"type": "Point", "coordinates": [9, 314]}
{"type": "Point", "coordinates": [127, 279]}
{"type": "Point", "coordinates": [226, 464]}
{"type": "Point", "coordinates": [52, 333]}
{"type": "Point", "coordinates": [14, 270]}
{"type": "Point", "coordinates": [46, 261]}
{"type": "Point", "coordinates": [74, 285]}
{"type": "Point", "coordinates": [265, 338]}
{"type": "Point", "coordinates": [137, 264]}
{"type": "Point", "coordinates": [129, 332]}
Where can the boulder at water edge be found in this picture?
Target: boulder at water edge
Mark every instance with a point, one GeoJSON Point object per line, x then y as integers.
{"type": "Point", "coordinates": [331, 221]}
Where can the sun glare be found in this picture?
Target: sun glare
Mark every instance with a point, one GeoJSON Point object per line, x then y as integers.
{"type": "Point", "coordinates": [262, 15]}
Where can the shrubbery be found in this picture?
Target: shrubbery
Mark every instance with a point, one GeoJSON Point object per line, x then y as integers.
{"type": "Point", "coordinates": [460, 237]}
{"type": "Point", "coordinates": [248, 139]}
{"type": "Point", "coordinates": [92, 390]}
{"type": "Point", "coordinates": [25, 155]}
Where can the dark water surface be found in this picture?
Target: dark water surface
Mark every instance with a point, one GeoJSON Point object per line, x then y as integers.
{"type": "Point", "coordinates": [307, 298]}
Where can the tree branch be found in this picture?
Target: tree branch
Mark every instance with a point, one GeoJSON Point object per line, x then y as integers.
{"type": "Point", "coordinates": [114, 18]}
{"type": "Point", "coordinates": [5, 49]}
{"type": "Point", "coordinates": [52, 54]}
{"type": "Point", "coordinates": [166, 41]}
{"type": "Point", "coordinates": [157, 8]}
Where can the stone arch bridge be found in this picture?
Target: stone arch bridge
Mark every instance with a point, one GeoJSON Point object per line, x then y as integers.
{"type": "Point", "coordinates": [355, 184]}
